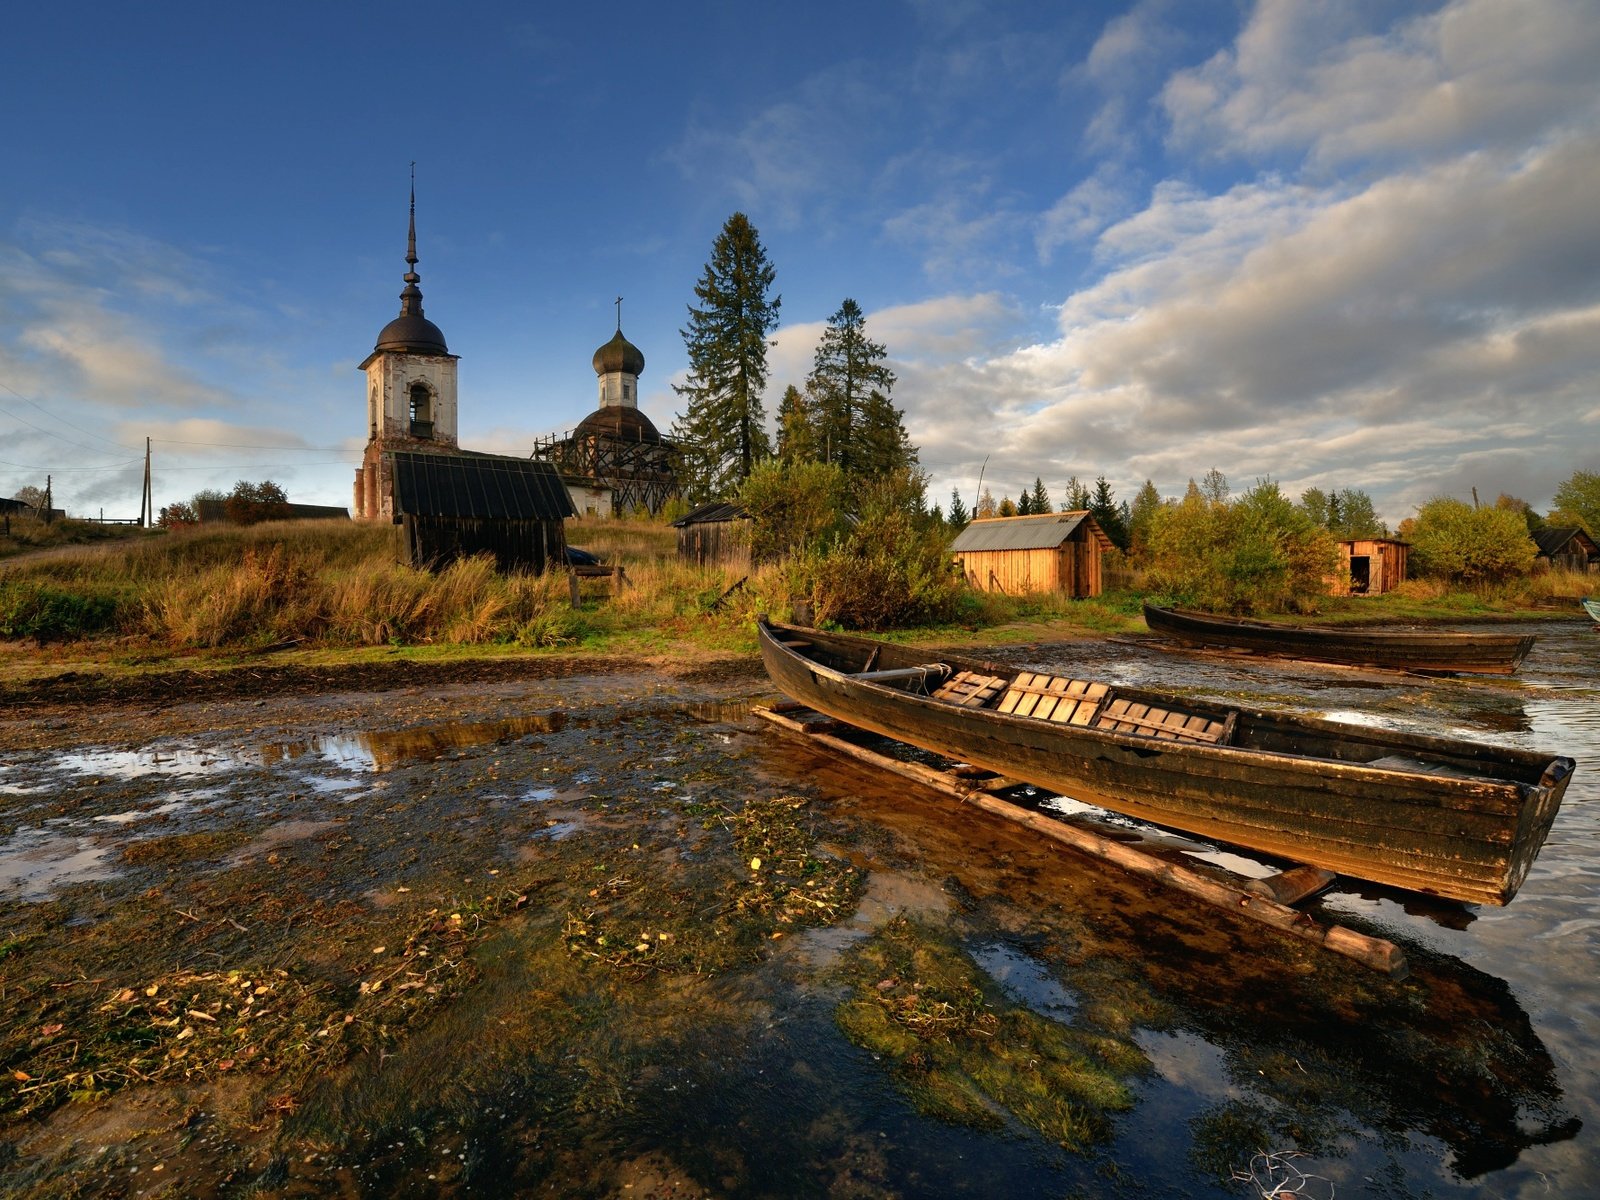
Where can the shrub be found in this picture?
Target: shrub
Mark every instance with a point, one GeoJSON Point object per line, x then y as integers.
{"type": "Point", "coordinates": [892, 568]}
{"type": "Point", "coordinates": [1259, 553]}
{"type": "Point", "coordinates": [1452, 540]}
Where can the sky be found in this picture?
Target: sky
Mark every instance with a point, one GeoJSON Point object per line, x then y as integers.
{"type": "Point", "coordinates": [1332, 244]}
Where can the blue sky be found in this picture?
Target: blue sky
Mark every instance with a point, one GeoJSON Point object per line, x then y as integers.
{"type": "Point", "coordinates": [1337, 244]}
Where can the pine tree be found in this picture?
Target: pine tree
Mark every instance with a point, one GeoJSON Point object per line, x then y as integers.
{"type": "Point", "coordinates": [881, 442]}
{"type": "Point", "coordinates": [797, 440]}
{"type": "Point", "coordinates": [1041, 498]}
{"type": "Point", "coordinates": [724, 424]}
{"type": "Point", "coordinates": [1103, 507]}
{"type": "Point", "coordinates": [958, 511]}
{"type": "Point", "coordinates": [1025, 504]}
{"type": "Point", "coordinates": [847, 368]}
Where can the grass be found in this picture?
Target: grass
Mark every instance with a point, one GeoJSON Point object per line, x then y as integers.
{"type": "Point", "coordinates": [339, 590]}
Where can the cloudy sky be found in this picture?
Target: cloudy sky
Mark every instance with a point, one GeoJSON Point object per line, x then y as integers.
{"type": "Point", "coordinates": [1338, 244]}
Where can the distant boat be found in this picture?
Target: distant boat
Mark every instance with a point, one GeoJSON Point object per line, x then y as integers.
{"type": "Point", "coordinates": [1430, 814]}
{"type": "Point", "coordinates": [1591, 605]}
{"type": "Point", "coordinates": [1429, 650]}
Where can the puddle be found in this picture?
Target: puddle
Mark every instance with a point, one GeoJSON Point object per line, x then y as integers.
{"type": "Point", "coordinates": [35, 862]}
{"type": "Point", "coordinates": [557, 831]}
{"type": "Point", "coordinates": [173, 804]}
{"type": "Point", "coordinates": [282, 834]}
{"type": "Point", "coordinates": [1026, 979]}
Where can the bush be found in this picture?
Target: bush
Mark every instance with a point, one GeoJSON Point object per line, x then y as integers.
{"type": "Point", "coordinates": [1456, 542]}
{"type": "Point", "coordinates": [1259, 553]}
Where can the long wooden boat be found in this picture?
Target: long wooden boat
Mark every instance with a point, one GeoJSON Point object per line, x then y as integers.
{"type": "Point", "coordinates": [1437, 815]}
{"type": "Point", "coordinates": [1426, 650]}
{"type": "Point", "coordinates": [1591, 605]}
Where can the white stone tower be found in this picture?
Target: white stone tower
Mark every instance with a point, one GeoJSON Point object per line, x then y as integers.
{"type": "Point", "coordinates": [411, 390]}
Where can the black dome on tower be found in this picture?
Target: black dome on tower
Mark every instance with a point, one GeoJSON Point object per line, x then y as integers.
{"type": "Point", "coordinates": [411, 332]}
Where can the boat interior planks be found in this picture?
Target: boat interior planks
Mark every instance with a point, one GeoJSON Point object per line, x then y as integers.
{"type": "Point", "coordinates": [1451, 818]}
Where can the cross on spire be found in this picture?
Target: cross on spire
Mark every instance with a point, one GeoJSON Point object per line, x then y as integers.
{"type": "Point", "coordinates": [619, 314]}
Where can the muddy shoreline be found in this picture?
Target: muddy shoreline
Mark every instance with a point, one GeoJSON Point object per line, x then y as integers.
{"type": "Point", "coordinates": [581, 926]}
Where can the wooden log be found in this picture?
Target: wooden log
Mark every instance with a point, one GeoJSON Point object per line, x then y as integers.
{"type": "Point", "coordinates": [1372, 952]}
{"type": "Point", "coordinates": [1291, 886]}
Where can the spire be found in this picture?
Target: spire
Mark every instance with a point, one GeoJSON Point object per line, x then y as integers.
{"type": "Point", "coordinates": [619, 314]}
{"type": "Point", "coordinates": [411, 297]}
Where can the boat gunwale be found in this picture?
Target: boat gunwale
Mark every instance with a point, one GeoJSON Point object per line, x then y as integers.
{"type": "Point", "coordinates": [1473, 786]}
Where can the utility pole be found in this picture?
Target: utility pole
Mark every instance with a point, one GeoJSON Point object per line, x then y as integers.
{"type": "Point", "coordinates": [49, 501]}
{"type": "Point", "coordinates": [146, 516]}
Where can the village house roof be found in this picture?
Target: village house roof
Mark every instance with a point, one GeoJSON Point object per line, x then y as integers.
{"type": "Point", "coordinates": [478, 485]}
{"type": "Point", "coordinates": [717, 510]}
{"type": "Point", "coordinates": [1554, 540]}
{"type": "Point", "coordinates": [1042, 532]}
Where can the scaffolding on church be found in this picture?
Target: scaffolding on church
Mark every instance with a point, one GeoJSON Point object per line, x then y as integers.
{"type": "Point", "coordinates": [640, 471]}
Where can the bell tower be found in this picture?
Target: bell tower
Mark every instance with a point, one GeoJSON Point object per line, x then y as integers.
{"type": "Point", "coordinates": [411, 389]}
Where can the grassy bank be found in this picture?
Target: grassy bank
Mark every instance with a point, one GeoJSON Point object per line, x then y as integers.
{"type": "Point", "coordinates": [337, 590]}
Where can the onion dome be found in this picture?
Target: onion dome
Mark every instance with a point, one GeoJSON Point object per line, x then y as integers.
{"type": "Point", "coordinates": [619, 354]}
{"type": "Point", "coordinates": [618, 424]}
{"type": "Point", "coordinates": [411, 332]}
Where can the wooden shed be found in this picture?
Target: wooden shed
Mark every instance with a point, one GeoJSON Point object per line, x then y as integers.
{"type": "Point", "coordinates": [1567, 548]}
{"type": "Point", "coordinates": [1051, 552]}
{"type": "Point", "coordinates": [1372, 565]}
{"type": "Point", "coordinates": [456, 505]}
{"type": "Point", "coordinates": [715, 535]}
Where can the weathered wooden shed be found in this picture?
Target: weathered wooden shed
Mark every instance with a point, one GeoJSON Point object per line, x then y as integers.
{"type": "Point", "coordinates": [1568, 548]}
{"type": "Point", "coordinates": [456, 505]}
{"type": "Point", "coordinates": [1372, 565]}
{"type": "Point", "coordinates": [715, 535]}
{"type": "Point", "coordinates": [1051, 552]}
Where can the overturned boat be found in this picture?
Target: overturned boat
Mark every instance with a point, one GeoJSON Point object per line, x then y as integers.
{"type": "Point", "coordinates": [1426, 650]}
{"type": "Point", "coordinates": [1436, 815]}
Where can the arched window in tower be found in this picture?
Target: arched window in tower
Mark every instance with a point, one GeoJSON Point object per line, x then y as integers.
{"type": "Point", "coordinates": [421, 411]}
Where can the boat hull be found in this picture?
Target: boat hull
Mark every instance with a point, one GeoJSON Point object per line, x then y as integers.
{"type": "Point", "coordinates": [1465, 838]}
{"type": "Point", "coordinates": [1395, 649]}
{"type": "Point", "coordinates": [1592, 607]}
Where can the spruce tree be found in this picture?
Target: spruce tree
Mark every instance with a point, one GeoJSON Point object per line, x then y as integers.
{"type": "Point", "coordinates": [1025, 504]}
{"type": "Point", "coordinates": [847, 368]}
{"type": "Point", "coordinates": [1103, 507]}
{"type": "Point", "coordinates": [958, 512]}
{"type": "Point", "coordinates": [723, 424]}
{"type": "Point", "coordinates": [1041, 498]}
{"type": "Point", "coordinates": [797, 440]}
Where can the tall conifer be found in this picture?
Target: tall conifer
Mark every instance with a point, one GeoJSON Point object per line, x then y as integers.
{"type": "Point", "coordinates": [723, 427]}
{"type": "Point", "coordinates": [847, 368]}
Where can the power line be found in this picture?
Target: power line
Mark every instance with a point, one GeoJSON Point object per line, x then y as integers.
{"type": "Point", "coordinates": [54, 417]}
{"type": "Point", "coordinates": [36, 467]}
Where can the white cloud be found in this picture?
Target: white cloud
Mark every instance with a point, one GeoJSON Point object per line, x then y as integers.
{"type": "Point", "coordinates": [1476, 74]}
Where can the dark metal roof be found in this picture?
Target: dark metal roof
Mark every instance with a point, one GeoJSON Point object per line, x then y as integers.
{"type": "Point", "coordinates": [1554, 540]}
{"type": "Point", "coordinates": [412, 333]}
{"type": "Point", "coordinates": [717, 510]}
{"type": "Point", "coordinates": [478, 485]}
{"type": "Point", "coordinates": [618, 423]}
{"type": "Point", "coordinates": [619, 354]}
{"type": "Point", "coordinates": [1042, 532]}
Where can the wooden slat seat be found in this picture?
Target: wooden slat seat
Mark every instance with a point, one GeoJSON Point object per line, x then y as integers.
{"type": "Point", "coordinates": [1053, 698]}
{"type": "Point", "coordinates": [1164, 724]}
{"type": "Point", "coordinates": [970, 689]}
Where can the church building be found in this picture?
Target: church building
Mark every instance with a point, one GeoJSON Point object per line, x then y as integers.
{"type": "Point", "coordinates": [615, 462]}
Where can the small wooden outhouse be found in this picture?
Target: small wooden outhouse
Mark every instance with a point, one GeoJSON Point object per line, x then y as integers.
{"type": "Point", "coordinates": [1372, 565]}
{"type": "Point", "coordinates": [1051, 552]}
{"type": "Point", "coordinates": [715, 535]}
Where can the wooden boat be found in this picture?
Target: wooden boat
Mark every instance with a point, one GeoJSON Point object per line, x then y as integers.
{"type": "Point", "coordinates": [1591, 605]}
{"type": "Point", "coordinates": [1447, 817]}
{"type": "Point", "coordinates": [1428, 650]}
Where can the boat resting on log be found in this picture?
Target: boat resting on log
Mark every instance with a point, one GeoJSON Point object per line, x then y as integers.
{"type": "Point", "coordinates": [1436, 815]}
{"type": "Point", "coordinates": [1425, 650]}
{"type": "Point", "coordinates": [1591, 605]}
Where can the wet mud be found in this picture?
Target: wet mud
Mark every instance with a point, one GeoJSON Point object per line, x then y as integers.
{"type": "Point", "coordinates": [595, 931]}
